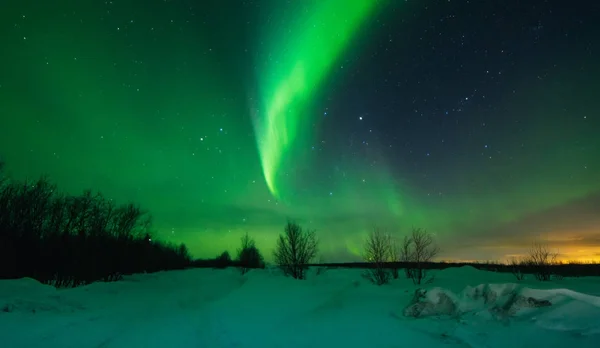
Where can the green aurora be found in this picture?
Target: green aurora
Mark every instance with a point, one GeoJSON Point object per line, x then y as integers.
{"type": "Point", "coordinates": [214, 139]}
{"type": "Point", "coordinates": [309, 42]}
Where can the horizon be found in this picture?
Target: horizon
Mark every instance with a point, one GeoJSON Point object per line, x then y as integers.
{"type": "Point", "coordinates": [470, 121]}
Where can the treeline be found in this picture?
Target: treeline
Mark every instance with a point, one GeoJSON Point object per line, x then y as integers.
{"type": "Point", "coordinates": [566, 269]}
{"type": "Point", "coordinates": [69, 240]}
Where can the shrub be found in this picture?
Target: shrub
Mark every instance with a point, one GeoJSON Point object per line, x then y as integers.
{"type": "Point", "coordinates": [517, 266]}
{"type": "Point", "coordinates": [295, 249]}
{"type": "Point", "coordinates": [248, 256]}
{"type": "Point", "coordinates": [541, 260]}
{"type": "Point", "coordinates": [377, 253]}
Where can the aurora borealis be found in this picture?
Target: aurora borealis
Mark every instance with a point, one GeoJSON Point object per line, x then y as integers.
{"type": "Point", "coordinates": [478, 122]}
{"type": "Point", "coordinates": [312, 40]}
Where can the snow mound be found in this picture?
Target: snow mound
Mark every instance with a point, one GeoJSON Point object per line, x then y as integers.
{"type": "Point", "coordinates": [29, 295]}
{"type": "Point", "coordinates": [24, 286]}
{"type": "Point", "coordinates": [554, 309]}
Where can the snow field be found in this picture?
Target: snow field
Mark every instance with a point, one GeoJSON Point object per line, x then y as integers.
{"type": "Point", "coordinates": [462, 307]}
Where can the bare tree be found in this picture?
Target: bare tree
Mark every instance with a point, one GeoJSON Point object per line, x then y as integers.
{"type": "Point", "coordinates": [422, 251]}
{"type": "Point", "coordinates": [248, 255]}
{"type": "Point", "coordinates": [541, 260]}
{"type": "Point", "coordinates": [377, 252]}
{"type": "Point", "coordinates": [517, 265]}
{"type": "Point", "coordinates": [295, 249]}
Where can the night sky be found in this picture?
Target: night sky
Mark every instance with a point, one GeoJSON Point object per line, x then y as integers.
{"type": "Point", "coordinates": [477, 120]}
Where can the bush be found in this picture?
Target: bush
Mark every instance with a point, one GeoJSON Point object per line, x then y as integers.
{"type": "Point", "coordinates": [295, 249]}
{"type": "Point", "coordinates": [517, 266]}
{"type": "Point", "coordinates": [76, 240]}
{"type": "Point", "coordinates": [541, 260]}
{"type": "Point", "coordinates": [248, 256]}
{"type": "Point", "coordinates": [377, 253]}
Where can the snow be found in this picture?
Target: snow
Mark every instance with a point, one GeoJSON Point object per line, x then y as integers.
{"type": "Point", "coordinates": [462, 307]}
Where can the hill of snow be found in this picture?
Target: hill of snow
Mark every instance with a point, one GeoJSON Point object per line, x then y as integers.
{"type": "Point", "coordinates": [462, 307]}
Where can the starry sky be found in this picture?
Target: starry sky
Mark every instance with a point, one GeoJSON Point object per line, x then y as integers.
{"type": "Point", "coordinates": [477, 120]}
